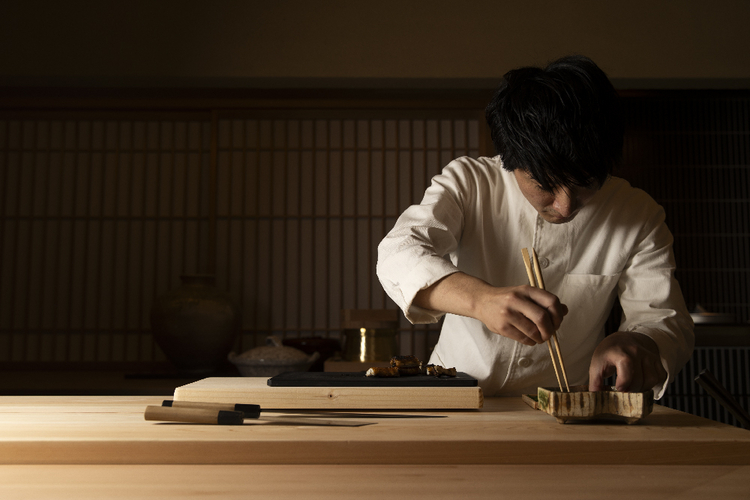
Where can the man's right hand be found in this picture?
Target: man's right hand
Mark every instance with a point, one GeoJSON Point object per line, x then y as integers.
{"type": "Point", "coordinates": [523, 313]}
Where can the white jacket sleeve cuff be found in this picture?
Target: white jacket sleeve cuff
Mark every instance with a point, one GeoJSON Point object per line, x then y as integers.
{"type": "Point", "coordinates": [428, 272]}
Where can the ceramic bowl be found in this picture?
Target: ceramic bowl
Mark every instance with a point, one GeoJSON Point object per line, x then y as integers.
{"type": "Point", "coordinates": [272, 359]}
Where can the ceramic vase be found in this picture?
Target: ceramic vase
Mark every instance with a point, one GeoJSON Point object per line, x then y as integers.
{"type": "Point", "coordinates": [195, 325]}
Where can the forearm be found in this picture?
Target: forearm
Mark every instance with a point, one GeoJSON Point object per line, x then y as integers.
{"type": "Point", "coordinates": [457, 293]}
{"type": "Point", "coordinates": [523, 313]}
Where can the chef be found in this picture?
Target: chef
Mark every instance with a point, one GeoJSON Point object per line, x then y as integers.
{"type": "Point", "coordinates": [558, 132]}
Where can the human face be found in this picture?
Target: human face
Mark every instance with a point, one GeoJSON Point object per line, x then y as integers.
{"type": "Point", "coordinates": [558, 206]}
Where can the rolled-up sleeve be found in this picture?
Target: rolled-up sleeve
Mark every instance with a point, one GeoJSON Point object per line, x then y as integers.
{"type": "Point", "coordinates": [415, 254]}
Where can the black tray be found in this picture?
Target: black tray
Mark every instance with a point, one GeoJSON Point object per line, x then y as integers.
{"type": "Point", "coordinates": [358, 379]}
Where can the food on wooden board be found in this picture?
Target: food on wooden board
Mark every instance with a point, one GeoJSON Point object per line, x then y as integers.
{"type": "Point", "coordinates": [406, 366]}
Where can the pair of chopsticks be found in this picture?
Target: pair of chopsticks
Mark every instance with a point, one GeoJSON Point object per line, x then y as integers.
{"type": "Point", "coordinates": [720, 393]}
{"type": "Point", "coordinates": [539, 283]}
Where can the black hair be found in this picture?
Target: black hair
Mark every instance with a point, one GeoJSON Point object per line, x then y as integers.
{"type": "Point", "coordinates": [562, 124]}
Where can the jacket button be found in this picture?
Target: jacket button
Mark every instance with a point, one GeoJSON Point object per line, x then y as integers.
{"type": "Point", "coordinates": [524, 362]}
{"type": "Point", "coordinates": [544, 262]}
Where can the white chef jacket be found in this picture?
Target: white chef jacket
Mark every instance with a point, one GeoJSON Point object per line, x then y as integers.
{"type": "Point", "coordinates": [474, 218]}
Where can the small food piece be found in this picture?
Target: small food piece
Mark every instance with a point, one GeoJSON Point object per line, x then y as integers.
{"type": "Point", "coordinates": [382, 371]}
{"type": "Point", "coordinates": [405, 361]}
{"type": "Point", "coordinates": [409, 371]}
{"type": "Point", "coordinates": [408, 366]}
{"type": "Point", "coordinates": [439, 371]}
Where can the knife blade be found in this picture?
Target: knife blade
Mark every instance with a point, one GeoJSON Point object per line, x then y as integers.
{"type": "Point", "coordinates": [254, 411]}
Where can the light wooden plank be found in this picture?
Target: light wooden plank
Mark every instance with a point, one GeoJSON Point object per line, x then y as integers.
{"type": "Point", "coordinates": [255, 390]}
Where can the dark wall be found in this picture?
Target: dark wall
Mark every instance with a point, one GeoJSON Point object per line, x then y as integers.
{"type": "Point", "coordinates": [691, 152]}
{"type": "Point", "coordinates": [233, 42]}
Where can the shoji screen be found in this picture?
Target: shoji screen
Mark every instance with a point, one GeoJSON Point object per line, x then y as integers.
{"type": "Point", "coordinates": [303, 200]}
{"type": "Point", "coordinates": [103, 212]}
{"type": "Point", "coordinates": [98, 216]}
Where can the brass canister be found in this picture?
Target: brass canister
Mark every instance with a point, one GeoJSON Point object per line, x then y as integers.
{"type": "Point", "coordinates": [369, 334]}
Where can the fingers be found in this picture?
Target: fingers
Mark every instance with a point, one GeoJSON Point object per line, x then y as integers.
{"type": "Point", "coordinates": [629, 375]}
{"type": "Point", "coordinates": [556, 311]}
{"type": "Point", "coordinates": [531, 313]}
{"type": "Point", "coordinates": [544, 310]}
{"type": "Point", "coordinates": [633, 357]}
{"type": "Point", "coordinates": [596, 382]}
{"type": "Point", "coordinates": [515, 325]}
{"type": "Point", "coordinates": [599, 370]}
{"type": "Point", "coordinates": [534, 322]}
{"type": "Point", "coordinates": [525, 314]}
{"type": "Point", "coordinates": [518, 336]}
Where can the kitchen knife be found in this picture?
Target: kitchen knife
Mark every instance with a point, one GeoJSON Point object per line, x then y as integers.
{"type": "Point", "coordinates": [253, 411]}
{"type": "Point", "coordinates": [213, 413]}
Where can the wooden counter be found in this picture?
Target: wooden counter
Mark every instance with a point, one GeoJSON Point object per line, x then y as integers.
{"type": "Point", "coordinates": [86, 447]}
{"type": "Point", "coordinates": [112, 430]}
{"type": "Point", "coordinates": [375, 482]}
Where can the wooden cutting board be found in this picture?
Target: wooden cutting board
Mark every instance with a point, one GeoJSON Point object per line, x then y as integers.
{"type": "Point", "coordinates": [255, 390]}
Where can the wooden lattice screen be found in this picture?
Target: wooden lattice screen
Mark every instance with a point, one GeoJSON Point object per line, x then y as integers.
{"type": "Point", "coordinates": [101, 215]}
{"type": "Point", "coordinates": [101, 211]}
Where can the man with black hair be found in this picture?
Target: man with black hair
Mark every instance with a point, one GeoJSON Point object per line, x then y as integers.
{"type": "Point", "coordinates": [558, 132]}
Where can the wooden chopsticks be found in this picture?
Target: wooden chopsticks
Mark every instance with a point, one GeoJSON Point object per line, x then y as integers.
{"type": "Point", "coordinates": [539, 282]}
{"type": "Point", "coordinates": [720, 393]}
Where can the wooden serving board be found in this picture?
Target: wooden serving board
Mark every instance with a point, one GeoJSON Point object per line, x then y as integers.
{"type": "Point", "coordinates": [359, 379]}
{"type": "Point", "coordinates": [255, 390]}
{"type": "Point", "coordinates": [582, 405]}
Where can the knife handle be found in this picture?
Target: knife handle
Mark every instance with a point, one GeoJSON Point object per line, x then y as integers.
{"type": "Point", "coordinates": [250, 411]}
{"type": "Point", "coordinates": [193, 415]}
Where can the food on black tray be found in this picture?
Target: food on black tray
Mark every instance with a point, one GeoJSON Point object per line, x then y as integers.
{"type": "Point", "coordinates": [438, 371]}
{"type": "Point", "coordinates": [405, 361]}
{"type": "Point", "coordinates": [407, 366]}
{"type": "Point", "coordinates": [383, 371]}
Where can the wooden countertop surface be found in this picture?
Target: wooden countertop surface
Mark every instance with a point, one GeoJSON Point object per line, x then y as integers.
{"type": "Point", "coordinates": [112, 430]}
{"type": "Point", "coordinates": [375, 482]}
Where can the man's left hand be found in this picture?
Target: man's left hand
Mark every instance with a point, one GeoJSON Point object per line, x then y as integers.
{"type": "Point", "coordinates": [634, 357]}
